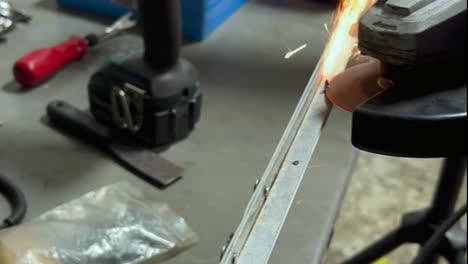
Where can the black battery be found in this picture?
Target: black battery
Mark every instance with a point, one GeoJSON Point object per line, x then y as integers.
{"type": "Point", "coordinates": [152, 96]}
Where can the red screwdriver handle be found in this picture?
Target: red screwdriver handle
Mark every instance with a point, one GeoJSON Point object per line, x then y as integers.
{"type": "Point", "coordinates": [41, 64]}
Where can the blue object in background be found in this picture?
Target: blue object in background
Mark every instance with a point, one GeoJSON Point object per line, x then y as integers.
{"type": "Point", "coordinates": [200, 17]}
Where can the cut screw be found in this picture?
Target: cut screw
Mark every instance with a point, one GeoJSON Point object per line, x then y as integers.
{"type": "Point", "coordinates": [234, 258]}
{"type": "Point", "coordinates": [266, 191]}
{"type": "Point", "coordinates": [257, 182]}
{"type": "Point", "coordinates": [223, 250]}
{"type": "Point", "coordinates": [296, 162]}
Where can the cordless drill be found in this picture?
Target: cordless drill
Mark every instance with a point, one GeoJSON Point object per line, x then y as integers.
{"type": "Point", "coordinates": [153, 96]}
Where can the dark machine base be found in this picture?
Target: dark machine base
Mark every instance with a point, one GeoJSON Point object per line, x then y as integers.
{"type": "Point", "coordinates": [418, 227]}
{"type": "Point", "coordinates": [407, 121]}
{"type": "Point", "coordinates": [404, 122]}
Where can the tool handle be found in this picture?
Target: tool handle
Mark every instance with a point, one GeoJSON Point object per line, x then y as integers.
{"type": "Point", "coordinates": [17, 202]}
{"type": "Point", "coordinates": [161, 27]}
{"type": "Point", "coordinates": [41, 64]}
{"type": "Point", "coordinates": [78, 123]}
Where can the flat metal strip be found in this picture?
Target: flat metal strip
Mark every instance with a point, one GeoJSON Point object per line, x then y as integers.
{"type": "Point", "coordinates": [291, 157]}
{"type": "Point", "coordinates": [265, 233]}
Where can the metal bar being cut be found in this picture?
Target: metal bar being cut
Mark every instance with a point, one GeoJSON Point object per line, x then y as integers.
{"type": "Point", "coordinates": [264, 217]}
{"type": "Point", "coordinates": [267, 210]}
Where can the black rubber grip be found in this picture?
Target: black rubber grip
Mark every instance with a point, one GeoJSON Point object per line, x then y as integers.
{"type": "Point", "coordinates": [161, 27]}
{"type": "Point", "coordinates": [74, 121]}
{"type": "Point", "coordinates": [92, 39]}
{"type": "Point", "coordinates": [17, 201]}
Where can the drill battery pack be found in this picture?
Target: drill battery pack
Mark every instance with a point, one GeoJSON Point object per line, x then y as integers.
{"type": "Point", "coordinates": [155, 108]}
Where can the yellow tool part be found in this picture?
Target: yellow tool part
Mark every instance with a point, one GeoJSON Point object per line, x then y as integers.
{"type": "Point", "coordinates": [381, 261]}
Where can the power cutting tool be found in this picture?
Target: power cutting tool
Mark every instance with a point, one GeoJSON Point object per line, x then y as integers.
{"type": "Point", "coordinates": [415, 43]}
{"type": "Point", "coordinates": [417, 38]}
{"type": "Point", "coordinates": [422, 48]}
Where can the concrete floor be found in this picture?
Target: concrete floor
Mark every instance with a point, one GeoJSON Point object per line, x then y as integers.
{"type": "Point", "coordinates": [381, 190]}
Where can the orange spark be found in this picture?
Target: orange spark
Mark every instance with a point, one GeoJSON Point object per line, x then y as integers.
{"type": "Point", "coordinates": [342, 40]}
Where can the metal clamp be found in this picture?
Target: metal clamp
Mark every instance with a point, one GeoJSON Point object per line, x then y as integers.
{"type": "Point", "coordinates": [127, 107]}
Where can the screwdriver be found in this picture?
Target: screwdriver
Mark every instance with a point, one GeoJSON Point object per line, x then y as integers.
{"type": "Point", "coordinates": [41, 64]}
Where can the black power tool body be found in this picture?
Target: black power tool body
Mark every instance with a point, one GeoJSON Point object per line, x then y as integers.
{"type": "Point", "coordinates": [153, 97]}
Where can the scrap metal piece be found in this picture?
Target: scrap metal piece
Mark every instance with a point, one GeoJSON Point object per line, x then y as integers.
{"type": "Point", "coordinates": [147, 163]}
{"type": "Point", "coordinates": [144, 162]}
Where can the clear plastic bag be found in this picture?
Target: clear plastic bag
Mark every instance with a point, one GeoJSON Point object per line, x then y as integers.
{"type": "Point", "coordinates": [118, 224]}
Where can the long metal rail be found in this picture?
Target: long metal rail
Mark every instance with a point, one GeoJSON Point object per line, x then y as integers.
{"type": "Point", "coordinates": [256, 236]}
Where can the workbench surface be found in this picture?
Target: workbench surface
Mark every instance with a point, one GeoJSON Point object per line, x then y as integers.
{"type": "Point", "coordinates": [250, 93]}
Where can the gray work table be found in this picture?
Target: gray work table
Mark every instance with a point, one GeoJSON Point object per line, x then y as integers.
{"type": "Point", "coordinates": [250, 93]}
